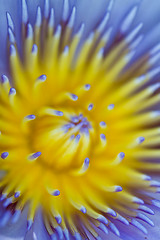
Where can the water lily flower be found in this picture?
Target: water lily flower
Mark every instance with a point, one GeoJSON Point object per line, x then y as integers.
{"type": "Point", "coordinates": [79, 120]}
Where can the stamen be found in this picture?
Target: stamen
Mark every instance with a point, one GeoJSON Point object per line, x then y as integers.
{"type": "Point", "coordinates": [30, 117]}
{"type": "Point", "coordinates": [83, 209]}
{"type": "Point", "coordinates": [58, 219]}
{"type": "Point", "coordinates": [114, 229]}
{"type": "Point", "coordinates": [137, 200]}
{"type": "Point", "coordinates": [34, 49]}
{"type": "Point", "coordinates": [73, 97]}
{"type": "Point", "coordinates": [103, 228]}
{"type": "Point", "coordinates": [65, 10]}
{"type": "Point", "coordinates": [24, 12]}
{"type": "Point", "coordinates": [111, 107]}
{"type": "Point", "coordinates": [10, 21]}
{"type": "Point", "coordinates": [140, 140]}
{"type": "Point", "coordinates": [51, 19]}
{"type": "Point", "coordinates": [12, 91]}
{"type": "Point", "coordinates": [90, 107]}
{"type": "Point", "coordinates": [29, 31]}
{"type": "Point", "coordinates": [103, 137]}
{"type": "Point", "coordinates": [12, 50]}
{"type": "Point", "coordinates": [4, 155]}
{"type": "Point", "coordinates": [5, 218]}
{"type": "Point", "coordinates": [17, 194]}
{"type": "Point", "coordinates": [102, 219]}
{"type": "Point", "coordinates": [11, 36]}
{"type": "Point", "coordinates": [46, 9]}
{"type": "Point", "coordinates": [34, 156]}
{"type": "Point", "coordinates": [138, 225]}
{"type": "Point", "coordinates": [122, 220]}
{"type": "Point", "coordinates": [104, 22]}
{"type": "Point", "coordinates": [42, 78]}
{"type": "Point", "coordinates": [87, 87]}
{"type": "Point", "coordinates": [16, 216]}
{"type": "Point", "coordinates": [72, 18]}
{"type": "Point", "coordinates": [83, 168]}
{"type": "Point", "coordinates": [7, 202]}
{"type": "Point", "coordinates": [102, 124]}
{"type": "Point", "coordinates": [4, 79]}
{"type": "Point", "coordinates": [38, 17]}
{"type": "Point", "coordinates": [128, 20]}
{"type": "Point", "coordinates": [146, 209]}
{"type": "Point", "coordinates": [29, 224]}
{"type": "Point", "coordinates": [134, 32]}
{"type": "Point", "coordinates": [56, 193]}
{"type": "Point", "coordinates": [145, 219]}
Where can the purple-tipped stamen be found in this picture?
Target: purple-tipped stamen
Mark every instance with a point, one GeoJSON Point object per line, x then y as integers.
{"type": "Point", "coordinates": [103, 228]}
{"type": "Point", "coordinates": [35, 156]}
{"type": "Point", "coordinates": [111, 212]}
{"type": "Point", "coordinates": [102, 219]}
{"type": "Point", "coordinates": [12, 50]}
{"type": "Point", "coordinates": [90, 107]}
{"type": "Point", "coordinates": [7, 202]}
{"type": "Point", "coordinates": [86, 161]}
{"type": "Point", "coordinates": [138, 200]}
{"type": "Point", "coordinates": [74, 97]}
{"type": "Point", "coordinates": [122, 220]}
{"type": "Point", "coordinates": [56, 193]}
{"type": "Point", "coordinates": [34, 49]}
{"type": "Point", "coordinates": [12, 91]}
{"type": "Point", "coordinates": [16, 216]}
{"type": "Point", "coordinates": [58, 219]}
{"type": "Point", "coordinates": [87, 87]}
{"type": "Point", "coordinates": [3, 196]}
{"type": "Point", "coordinates": [83, 209]}
{"type": "Point", "coordinates": [78, 138]}
{"type": "Point", "coordinates": [111, 106]}
{"type": "Point", "coordinates": [4, 79]}
{"type": "Point", "coordinates": [138, 225]}
{"type": "Point", "coordinates": [103, 137]}
{"type": "Point", "coordinates": [121, 155]}
{"type": "Point", "coordinates": [141, 140]}
{"type": "Point", "coordinates": [4, 155]}
{"type": "Point", "coordinates": [102, 124]}
{"type": "Point", "coordinates": [30, 117]}
{"type": "Point", "coordinates": [17, 194]}
{"type": "Point", "coordinates": [118, 189]}
{"type": "Point", "coordinates": [114, 229]}
{"type": "Point", "coordinates": [5, 218]}
{"type": "Point", "coordinates": [29, 224]}
{"type": "Point", "coordinates": [58, 113]}
{"type": "Point", "coordinates": [42, 78]}
{"type": "Point", "coordinates": [59, 232]}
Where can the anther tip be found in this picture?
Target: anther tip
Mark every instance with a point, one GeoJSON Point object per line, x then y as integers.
{"type": "Point", "coordinates": [4, 155]}
{"type": "Point", "coordinates": [12, 91]}
{"type": "Point", "coordinates": [83, 209]}
{"type": "Point", "coordinates": [17, 194]}
{"type": "Point", "coordinates": [42, 78]}
{"type": "Point", "coordinates": [4, 79]}
{"type": "Point", "coordinates": [121, 155]}
{"type": "Point", "coordinates": [86, 161]}
{"type": "Point", "coordinates": [111, 106]}
{"type": "Point", "coordinates": [56, 193]}
{"type": "Point", "coordinates": [30, 117]}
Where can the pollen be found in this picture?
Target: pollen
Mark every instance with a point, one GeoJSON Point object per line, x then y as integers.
{"type": "Point", "coordinates": [78, 138]}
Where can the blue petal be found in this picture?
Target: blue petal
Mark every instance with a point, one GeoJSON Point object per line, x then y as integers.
{"type": "Point", "coordinates": [14, 231]}
{"type": "Point", "coordinates": [38, 227]}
